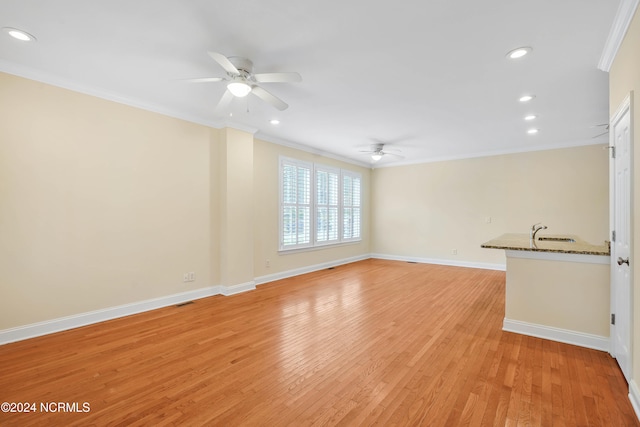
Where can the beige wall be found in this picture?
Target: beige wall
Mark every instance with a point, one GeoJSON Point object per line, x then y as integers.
{"type": "Point", "coordinates": [100, 204]}
{"type": "Point", "coordinates": [573, 296]}
{"type": "Point", "coordinates": [103, 205]}
{"type": "Point", "coordinates": [624, 77]}
{"type": "Point", "coordinates": [428, 210]}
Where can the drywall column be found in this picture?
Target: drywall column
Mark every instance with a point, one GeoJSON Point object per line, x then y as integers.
{"type": "Point", "coordinates": [215, 210]}
{"type": "Point", "coordinates": [236, 210]}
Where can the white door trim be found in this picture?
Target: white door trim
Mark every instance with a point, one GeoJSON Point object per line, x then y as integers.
{"type": "Point", "coordinates": [626, 107]}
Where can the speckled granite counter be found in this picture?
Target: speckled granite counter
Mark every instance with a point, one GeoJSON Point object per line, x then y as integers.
{"type": "Point", "coordinates": [522, 242]}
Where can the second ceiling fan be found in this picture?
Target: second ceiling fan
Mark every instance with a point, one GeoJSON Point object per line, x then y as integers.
{"type": "Point", "coordinates": [242, 81]}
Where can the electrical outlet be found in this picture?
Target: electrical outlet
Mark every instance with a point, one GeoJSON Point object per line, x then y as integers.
{"type": "Point", "coordinates": [454, 252]}
{"type": "Point", "coordinates": [267, 263]}
{"type": "Point", "coordinates": [192, 276]}
{"type": "Point", "coordinates": [488, 220]}
{"type": "Point", "coordinates": [185, 277]}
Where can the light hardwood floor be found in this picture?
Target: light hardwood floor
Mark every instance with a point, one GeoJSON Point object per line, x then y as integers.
{"type": "Point", "coordinates": [373, 342]}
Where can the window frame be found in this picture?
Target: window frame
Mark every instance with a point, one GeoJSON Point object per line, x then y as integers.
{"type": "Point", "coordinates": [316, 169]}
{"type": "Point", "coordinates": [298, 164]}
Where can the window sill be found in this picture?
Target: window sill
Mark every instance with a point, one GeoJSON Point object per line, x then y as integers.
{"type": "Point", "coordinates": [318, 247]}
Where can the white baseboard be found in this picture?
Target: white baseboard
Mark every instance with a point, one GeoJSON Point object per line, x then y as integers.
{"type": "Point", "coordinates": [83, 319]}
{"type": "Point", "coordinates": [237, 289]}
{"type": "Point", "coordinates": [566, 336]}
{"type": "Point", "coordinates": [308, 269]}
{"type": "Point", "coordinates": [70, 322]}
{"type": "Point", "coordinates": [440, 261]}
{"type": "Point", "coordinates": [634, 397]}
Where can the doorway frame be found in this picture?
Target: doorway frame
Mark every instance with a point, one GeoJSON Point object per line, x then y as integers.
{"type": "Point", "coordinates": [623, 107]}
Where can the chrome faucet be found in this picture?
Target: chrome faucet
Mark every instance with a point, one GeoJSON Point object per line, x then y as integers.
{"type": "Point", "coordinates": [535, 228]}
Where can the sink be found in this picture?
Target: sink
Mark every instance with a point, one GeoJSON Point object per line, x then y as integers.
{"type": "Point", "coordinates": [557, 239]}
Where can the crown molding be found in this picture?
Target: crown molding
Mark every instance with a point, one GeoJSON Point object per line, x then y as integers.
{"type": "Point", "coordinates": [286, 143]}
{"type": "Point", "coordinates": [621, 22]}
{"type": "Point", "coordinates": [491, 153]}
{"type": "Point", "coordinates": [64, 83]}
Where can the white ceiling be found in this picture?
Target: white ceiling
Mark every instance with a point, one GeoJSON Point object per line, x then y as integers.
{"type": "Point", "coordinates": [430, 77]}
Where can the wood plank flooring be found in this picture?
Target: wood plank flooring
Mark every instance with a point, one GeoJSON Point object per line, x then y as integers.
{"type": "Point", "coordinates": [370, 343]}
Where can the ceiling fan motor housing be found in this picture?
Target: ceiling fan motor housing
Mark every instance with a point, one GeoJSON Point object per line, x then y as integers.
{"type": "Point", "coordinates": [244, 65]}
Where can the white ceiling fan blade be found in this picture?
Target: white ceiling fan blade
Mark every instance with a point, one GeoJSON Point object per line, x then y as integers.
{"type": "Point", "coordinates": [392, 150]}
{"type": "Point", "coordinates": [288, 77]}
{"type": "Point", "coordinates": [269, 98]}
{"type": "Point", "coordinates": [204, 80]}
{"type": "Point", "coordinates": [224, 62]}
{"type": "Point", "coordinates": [224, 102]}
{"type": "Point", "coordinates": [598, 136]}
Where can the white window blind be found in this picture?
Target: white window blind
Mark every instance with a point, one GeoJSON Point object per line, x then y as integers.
{"type": "Point", "coordinates": [351, 209]}
{"type": "Point", "coordinates": [327, 224]}
{"type": "Point", "coordinates": [296, 204]}
{"type": "Point", "coordinates": [319, 205]}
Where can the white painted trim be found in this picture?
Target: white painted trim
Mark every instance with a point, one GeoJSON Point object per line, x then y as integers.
{"type": "Point", "coordinates": [308, 149]}
{"type": "Point", "coordinates": [48, 78]}
{"type": "Point", "coordinates": [566, 336]}
{"type": "Point", "coordinates": [441, 261]}
{"type": "Point", "coordinates": [491, 153]}
{"type": "Point", "coordinates": [634, 397]}
{"type": "Point", "coordinates": [559, 256]}
{"type": "Point", "coordinates": [619, 28]}
{"type": "Point", "coordinates": [83, 319]}
{"type": "Point", "coordinates": [228, 290]}
{"type": "Point", "coordinates": [308, 269]}
{"type": "Point", "coordinates": [51, 79]}
{"type": "Point", "coordinates": [75, 321]}
{"type": "Point", "coordinates": [627, 106]}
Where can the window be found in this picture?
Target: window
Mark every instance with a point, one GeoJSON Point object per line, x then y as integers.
{"type": "Point", "coordinates": [319, 205]}
{"type": "Point", "coordinates": [327, 206]}
{"type": "Point", "coordinates": [296, 204]}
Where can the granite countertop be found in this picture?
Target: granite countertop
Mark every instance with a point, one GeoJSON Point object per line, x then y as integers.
{"type": "Point", "coordinates": [522, 242]}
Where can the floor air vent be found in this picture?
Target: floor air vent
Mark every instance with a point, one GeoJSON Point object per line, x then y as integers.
{"type": "Point", "coordinates": [184, 303]}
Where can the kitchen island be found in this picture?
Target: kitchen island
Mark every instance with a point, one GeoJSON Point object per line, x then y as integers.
{"type": "Point", "coordinates": [557, 288]}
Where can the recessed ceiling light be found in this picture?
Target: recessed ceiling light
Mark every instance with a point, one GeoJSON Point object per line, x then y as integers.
{"type": "Point", "coordinates": [519, 52]}
{"type": "Point", "coordinates": [526, 98]}
{"type": "Point", "coordinates": [530, 117]}
{"type": "Point", "coordinates": [19, 34]}
{"type": "Point", "coordinates": [274, 121]}
{"type": "Point", "coordinates": [532, 131]}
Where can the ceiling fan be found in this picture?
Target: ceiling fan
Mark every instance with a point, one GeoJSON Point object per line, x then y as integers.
{"type": "Point", "coordinates": [606, 129]}
{"type": "Point", "coordinates": [241, 80]}
{"type": "Point", "coordinates": [377, 151]}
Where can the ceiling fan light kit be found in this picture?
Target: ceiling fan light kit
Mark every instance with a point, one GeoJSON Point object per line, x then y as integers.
{"type": "Point", "coordinates": [239, 89]}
